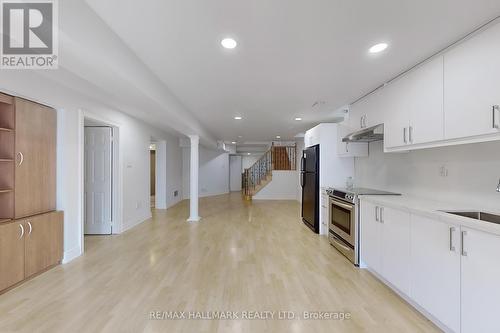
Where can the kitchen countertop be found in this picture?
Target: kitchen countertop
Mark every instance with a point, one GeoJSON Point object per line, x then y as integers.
{"type": "Point", "coordinates": [433, 210]}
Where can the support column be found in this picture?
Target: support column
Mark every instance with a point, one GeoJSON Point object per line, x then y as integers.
{"type": "Point", "coordinates": [193, 179]}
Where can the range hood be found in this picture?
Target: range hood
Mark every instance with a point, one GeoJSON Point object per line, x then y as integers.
{"type": "Point", "coordinates": [370, 134]}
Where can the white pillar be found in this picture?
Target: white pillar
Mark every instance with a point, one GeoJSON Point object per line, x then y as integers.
{"type": "Point", "coordinates": [193, 178]}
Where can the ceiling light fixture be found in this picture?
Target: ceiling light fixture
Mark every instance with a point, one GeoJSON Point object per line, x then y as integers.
{"type": "Point", "coordinates": [238, 118]}
{"type": "Point", "coordinates": [378, 48]}
{"type": "Point", "coordinates": [233, 142]}
{"type": "Point", "coordinates": [278, 137]}
{"type": "Point", "coordinates": [248, 153]}
{"type": "Point", "coordinates": [228, 43]}
{"type": "Point", "coordinates": [298, 119]}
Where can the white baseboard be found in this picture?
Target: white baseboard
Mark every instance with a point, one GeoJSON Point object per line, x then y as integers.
{"type": "Point", "coordinates": [130, 224]}
{"type": "Point", "coordinates": [71, 254]}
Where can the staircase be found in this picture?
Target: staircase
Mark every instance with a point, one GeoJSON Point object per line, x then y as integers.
{"type": "Point", "coordinates": [260, 174]}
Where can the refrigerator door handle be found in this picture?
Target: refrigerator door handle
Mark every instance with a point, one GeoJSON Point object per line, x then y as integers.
{"type": "Point", "coordinates": [302, 179]}
{"type": "Point", "coordinates": [302, 164]}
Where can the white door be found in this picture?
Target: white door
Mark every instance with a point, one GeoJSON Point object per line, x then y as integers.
{"type": "Point", "coordinates": [235, 173]}
{"type": "Point", "coordinates": [435, 269]}
{"type": "Point", "coordinates": [98, 158]}
{"type": "Point", "coordinates": [370, 236]}
{"type": "Point", "coordinates": [480, 282]}
{"type": "Point", "coordinates": [471, 72]}
{"type": "Point", "coordinates": [395, 247]}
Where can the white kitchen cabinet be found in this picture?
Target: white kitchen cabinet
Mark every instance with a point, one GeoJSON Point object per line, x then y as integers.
{"type": "Point", "coordinates": [325, 209]}
{"type": "Point", "coordinates": [349, 149]}
{"type": "Point", "coordinates": [471, 74]}
{"type": "Point", "coordinates": [435, 269]}
{"type": "Point", "coordinates": [370, 236]}
{"type": "Point", "coordinates": [395, 247]}
{"type": "Point", "coordinates": [480, 282]}
{"type": "Point", "coordinates": [368, 112]}
{"type": "Point", "coordinates": [415, 107]}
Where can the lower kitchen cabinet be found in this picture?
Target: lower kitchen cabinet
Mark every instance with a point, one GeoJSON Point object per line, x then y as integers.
{"type": "Point", "coordinates": [480, 281]}
{"type": "Point", "coordinates": [370, 236]}
{"type": "Point", "coordinates": [43, 242]}
{"type": "Point", "coordinates": [435, 269]}
{"type": "Point", "coordinates": [11, 254]}
{"type": "Point", "coordinates": [29, 246]}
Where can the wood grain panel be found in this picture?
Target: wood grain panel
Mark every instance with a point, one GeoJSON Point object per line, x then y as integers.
{"type": "Point", "coordinates": [11, 254]}
{"type": "Point", "coordinates": [44, 242]}
{"type": "Point", "coordinates": [35, 184]}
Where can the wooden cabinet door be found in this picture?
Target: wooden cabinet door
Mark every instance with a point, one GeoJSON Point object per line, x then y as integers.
{"type": "Point", "coordinates": [11, 254]}
{"type": "Point", "coordinates": [44, 242]}
{"type": "Point", "coordinates": [395, 247]}
{"type": "Point", "coordinates": [471, 72]}
{"type": "Point", "coordinates": [480, 281]}
{"type": "Point", "coordinates": [435, 269]}
{"type": "Point", "coordinates": [35, 188]}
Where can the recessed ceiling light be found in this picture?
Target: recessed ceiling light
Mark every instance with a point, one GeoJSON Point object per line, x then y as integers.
{"type": "Point", "coordinates": [233, 142]}
{"type": "Point", "coordinates": [278, 137]}
{"type": "Point", "coordinates": [238, 118]}
{"type": "Point", "coordinates": [239, 136]}
{"type": "Point", "coordinates": [298, 119]}
{"type": "Point", "coordinates": [248, 153]}
{"type": "Point", "coordinates": [228, 43]}
{"type": "Point", "coordinates": [378, 48]}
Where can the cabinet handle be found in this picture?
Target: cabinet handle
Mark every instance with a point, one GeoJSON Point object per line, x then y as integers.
{"type": "Point", "coordinates": [464, 253]}
{"type": "Point", "coordinates": [21, 158]}
{"type": "Point", "coordinates": [31, 228]}
{"type": "Point", "coordinates": [376, 213]}
{"type": "Point", "coordinates": [452, 247]}
{"type": "Point", "coordinates": [22, 231]}
{"type": "Point", "coordinates": [496, 109]}
{"type": "Point", "coordinates": [382, 215]}
{"type": "Point", "coordinates": [404, 135]}
{"type": "Point", "coordinates": [410, 134]}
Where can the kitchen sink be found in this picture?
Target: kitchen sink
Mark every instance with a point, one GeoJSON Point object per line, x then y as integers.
{"type": "Point", "coordinates": [482, 216]}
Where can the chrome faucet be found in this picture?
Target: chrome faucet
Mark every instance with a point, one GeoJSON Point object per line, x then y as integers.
{"type": "Point", "coordinates": [498, 187]}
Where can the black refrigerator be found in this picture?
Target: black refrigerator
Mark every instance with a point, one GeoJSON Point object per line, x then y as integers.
{"type": "Point", "coordinates": [309, 180]}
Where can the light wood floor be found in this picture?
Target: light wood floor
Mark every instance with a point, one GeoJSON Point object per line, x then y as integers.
{"type": "Point", "coordinates": [241, 257]}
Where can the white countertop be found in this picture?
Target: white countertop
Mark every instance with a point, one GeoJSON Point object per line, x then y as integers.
{"type": "Point", "coordinates": [433, 209]}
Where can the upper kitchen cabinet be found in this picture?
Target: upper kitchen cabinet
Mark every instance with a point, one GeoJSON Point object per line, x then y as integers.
{"type": "Point", "coordinates": [35, 172]}
{"type": "Point", "coordinates": [368, 112]}
{"type": "Point", "coordinates": [414, 103]}
{"type": "Point", "coordinates": [471, 93]}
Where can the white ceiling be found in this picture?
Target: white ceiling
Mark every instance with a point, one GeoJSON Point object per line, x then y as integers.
{"type": "Point", "coordinates": [291, 53]}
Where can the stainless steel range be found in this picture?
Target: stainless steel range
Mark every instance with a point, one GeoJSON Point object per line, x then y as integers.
{"type": "Point", "coordinates": [344, 219]}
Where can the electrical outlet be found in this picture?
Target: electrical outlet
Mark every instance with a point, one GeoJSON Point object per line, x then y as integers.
{"type": "Point", "coordinates": [176, 193]}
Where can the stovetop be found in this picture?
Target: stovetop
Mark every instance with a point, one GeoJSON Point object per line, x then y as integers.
{"type": "Point", "coordinates": [350, 194]}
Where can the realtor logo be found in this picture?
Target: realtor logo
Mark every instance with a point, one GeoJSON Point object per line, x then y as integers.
{"type": "Point", "coordinates": [29, 34]}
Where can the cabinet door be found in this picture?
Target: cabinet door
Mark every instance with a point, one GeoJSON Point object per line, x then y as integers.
{"type": "Point", "coordinates": [435, 269]}
{"type": "Point", "coordinates": [35, 187]}
{"type": "Point", "coordinates": [471, 72]}
{"type": "Point", "coordinates": [370, 236]}
{"type": "Point", "coordinates": [480, 282]}
{"type": "Point", "coordinates": [11, 254]}
{"type": "Point", "coordinates": [395, 247]}
{"type": "Point", "coordinates": [44, 242]}
{"type": "Point", "coordinates": [350, 149]}
{"type": "Point", "coordinates": [397, 122]}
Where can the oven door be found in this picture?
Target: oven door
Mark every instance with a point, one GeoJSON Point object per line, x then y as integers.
{"type": "Point", "coordinates": [342, 220]}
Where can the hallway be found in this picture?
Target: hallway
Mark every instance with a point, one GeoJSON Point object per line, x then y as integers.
{"type": "Point", "coordinates": [240, 257]}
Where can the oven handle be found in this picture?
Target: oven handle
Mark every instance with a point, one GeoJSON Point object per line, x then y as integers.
{"type": "Point", "coordinates": [341, 204]}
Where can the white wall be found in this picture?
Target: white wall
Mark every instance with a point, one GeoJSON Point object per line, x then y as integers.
{"type": "Point", "coordinates": [282, 187]}
{"type": "Point", "coordinates": [248, 160]}
{"type": "Point", "coordinates": [300, 148]}
{"type": "Point", "coordinates": [213, 172]}
{"type": "Point", "coordinates": [235, 173]}
{"type": "Point", "coordinates": [134, 153]}
{"type": "Point", "coordinates": [473, 173]}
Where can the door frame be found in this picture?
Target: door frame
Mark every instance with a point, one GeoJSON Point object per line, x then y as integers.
{"type": "Point", "coordinates": [116, 178]}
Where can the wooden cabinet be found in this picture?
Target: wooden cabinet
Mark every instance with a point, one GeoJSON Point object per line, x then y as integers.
{"type": "Point", "coordinates": [11, 254]}
{"type": "Point", "coordinates": [415, 107]}
{"type": "Point", "coordinates": [471, 72]}
{"type": "Point", "coordinates": [43, 242]}
{"type": "Point", "coordinates": [7, 135]}
{"type": "Point", "coordinates": [480, 281]}
{"type": "Point", "coordinates": [35, 175]}
{"type": "Point", "coordinates": [435, 269]}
